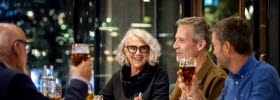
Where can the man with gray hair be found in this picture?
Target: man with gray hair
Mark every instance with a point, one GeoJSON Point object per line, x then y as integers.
{"type": "Point", "coordinates": [15, 85]}
{"type": "Point", "coordinates": [193, 40]}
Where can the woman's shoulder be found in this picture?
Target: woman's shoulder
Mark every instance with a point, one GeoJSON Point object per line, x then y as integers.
{"type": "Point", "coordinates": [159, 70]}
{"type": "Point", "coordinates": [117, 73]}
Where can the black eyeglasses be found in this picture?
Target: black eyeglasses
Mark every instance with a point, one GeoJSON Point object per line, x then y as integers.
{"type": "Point", "coordinates": [27, 45]}
{"type": "Point", "coordinates": [142, 49]}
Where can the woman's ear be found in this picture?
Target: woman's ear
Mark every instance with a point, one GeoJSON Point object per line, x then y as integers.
{"type": "Point", "coordinates": [201, 45]}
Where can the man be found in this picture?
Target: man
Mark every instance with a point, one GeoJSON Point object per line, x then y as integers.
{"type": "Point", "coordinates": [249, 79]}
{"type": "Point", "coordinates": [15, 85]}
{"type": "Point", "coordinates": [193, 40]}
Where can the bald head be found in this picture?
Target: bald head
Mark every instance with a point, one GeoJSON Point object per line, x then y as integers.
{"type": "Point", "coordinates": [12, 52]}
{"type": "Point", "coordinates": [8, 34]}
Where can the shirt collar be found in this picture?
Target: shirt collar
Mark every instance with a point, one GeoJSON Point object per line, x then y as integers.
{"type": "Point", "coordinates": [246, 68]}
{"type": "Point", "coordinates": [7, 65]}
{"type": "Point", "coordinates": [204, 69]}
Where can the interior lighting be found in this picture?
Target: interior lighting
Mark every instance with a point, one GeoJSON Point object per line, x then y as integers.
{"type": "Point", "coordinates": [114, 34]}
{"type": "Point", "coordinates": [108, 28]}
{"type": "Point", "coordinates": [146, 0]}
{"type": "Point", "coordinates": [44, 53]}
{"type": "Point", "coordinates": [45, 19]}
{"type": "Point", "coordinates": [109, 58]}
{"type": "Point", "coordinates": [140, 25]}
{"type": "Point", "coordinates": [91, 33]}
{"type": "Point", "coordinates": [108, 20]}
{"type": "Point", "coordinates": [106, 52]}
{"type": "Point", "coordinates": [66, 35]}
{"type": "Point", "coordinates": [90, 3]}
{"type": "Point", "coordinates": [67, 52]}
{"type": "Point", "coordinates": [63, 26]}
{"type": "Point", "coordinates": [104, 24]}
{"type": "Point", "coordinates": [30, 14]}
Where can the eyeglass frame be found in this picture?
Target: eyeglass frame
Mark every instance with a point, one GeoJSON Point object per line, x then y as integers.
{"type": "Point", "coordinates": [140, 48]}
{"type": "Point", "coordinates": [27, 45]}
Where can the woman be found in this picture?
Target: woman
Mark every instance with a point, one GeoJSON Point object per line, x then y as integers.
{"type": "Point", "coordinates": [138, 53]}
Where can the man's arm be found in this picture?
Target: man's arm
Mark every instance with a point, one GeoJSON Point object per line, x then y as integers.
{"type": "Point", "coordinates": [22, 88]}
{"type": "Point", "coordinates": [77, 90]}
{"type": "Point", "coordinates": [176, 92]}
{"type": "Point", "coordinates": [78, 87]}
{"type": "Point", "coordinates": [266, 85]}
{"type": "Point", "coordinates": [216, 87]}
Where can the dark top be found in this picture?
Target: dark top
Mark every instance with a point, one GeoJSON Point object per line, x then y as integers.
{"type": "Point", "coordinates": [18, 86]}
{"type": "Point", "coordinates": [255, 80]}
{"type": "Point", "coordinates": [152, 81]}
{"type": "Point", "coordinates": [211, 79]}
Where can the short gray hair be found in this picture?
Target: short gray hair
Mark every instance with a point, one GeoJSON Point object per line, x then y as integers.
{"type": "Point", "coordinates": [154, 52]}
{"type": "Point", "coordinates": [201, 29]}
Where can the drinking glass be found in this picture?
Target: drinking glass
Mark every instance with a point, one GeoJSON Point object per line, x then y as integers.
{"type": "Point", "coordinates": [55, 91]}
{"type": "Point", "coordinates": [80, 53]}
{"type": "Point", "coordinates": [90, 95]}
{"type": "Point", "coordinates": [186, 72]}
{"type": "Point", "coordinates": [98, 97]}
{"type": "Point", "coordinates": [44, 82]}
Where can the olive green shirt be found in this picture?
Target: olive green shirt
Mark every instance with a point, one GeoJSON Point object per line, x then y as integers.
{"type": "Point", "coordinates": [211, 79]}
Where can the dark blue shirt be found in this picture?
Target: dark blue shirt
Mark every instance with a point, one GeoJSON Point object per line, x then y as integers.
{"type": "Point", "coordinates": [255, 80]}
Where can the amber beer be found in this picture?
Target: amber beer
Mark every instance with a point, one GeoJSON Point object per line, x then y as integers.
{"type": "Point", "coordinates": [80, 53]}
{"type": "Point", "coordinates": [90, 96]}
{"type": "Point", "coordinates": [187, 73]}
{"type": "Point", "coordinates": [78, 58]}
{"type": "Point", "coordinates": [54, 98]}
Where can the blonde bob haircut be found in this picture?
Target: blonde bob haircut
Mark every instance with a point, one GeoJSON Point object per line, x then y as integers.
{"type": "Point", "coordinates": [154, 51]}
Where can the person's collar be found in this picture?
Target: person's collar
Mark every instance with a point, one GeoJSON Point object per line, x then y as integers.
{"type": "Point", "coordinates": [204, 69]}
{"type": "Point", "coordinates": [245, 69]}
{"type": "Point", "coordinates": [7, 65]}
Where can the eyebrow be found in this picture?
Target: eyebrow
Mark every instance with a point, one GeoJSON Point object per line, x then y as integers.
{"type": "Point", "coordinates": [137, 46]}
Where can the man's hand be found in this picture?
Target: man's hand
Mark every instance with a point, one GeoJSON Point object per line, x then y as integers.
{"type": "Point", "coordinates": [137, 98]}
{"type": "Point", "coordinates": [82, 70]}
{"type": "Point", "coordinates": [193, 89]}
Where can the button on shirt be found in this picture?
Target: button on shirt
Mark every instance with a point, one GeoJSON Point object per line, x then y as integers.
{"type": "Point", "coordinates": [255, 80]}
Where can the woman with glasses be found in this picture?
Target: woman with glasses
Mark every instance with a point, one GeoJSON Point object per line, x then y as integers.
{"type": "Point", "coordinates": [140, 77]}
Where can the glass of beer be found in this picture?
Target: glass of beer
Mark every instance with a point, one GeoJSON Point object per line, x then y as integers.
{"type": "Point", "coordinates": [90, 95]}
{"type": "Point", "coordinates": [55, 91]}
{"type": "Point", "coordinates": [186, 72]}
{"type": "Point", "coordinates": [80, 53]}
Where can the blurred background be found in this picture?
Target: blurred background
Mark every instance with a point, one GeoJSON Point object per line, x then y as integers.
{"type": "Point", "coordinates": [52, 26]}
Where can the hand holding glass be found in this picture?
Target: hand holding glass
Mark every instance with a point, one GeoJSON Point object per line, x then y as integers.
{"type": "Point", "coordinates": [186, 72]}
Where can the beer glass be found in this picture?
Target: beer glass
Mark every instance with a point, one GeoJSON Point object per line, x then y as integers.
{"type": "Point", "coordinates": [98, 97]}
{"type": "Point", "coordinates": [90, 95]}
{"type": "Point", "coordinates": [55, 91]}
{"type": "Point", "coordinates": [80, 53]}
{"type": "Point", "coordinates": [186, 72]}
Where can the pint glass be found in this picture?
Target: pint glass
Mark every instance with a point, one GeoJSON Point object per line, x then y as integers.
{"type": "Point", "coordinates": [80, 53]}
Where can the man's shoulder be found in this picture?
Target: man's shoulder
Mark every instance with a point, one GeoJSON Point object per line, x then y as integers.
{"type": "Point", "coordinates": [7, 73]}
{"type": "Point", "coordinates": [217, 72]}
{"type": "Point", "coordinates": [213, 69]}
{"type": "Point", "coordinates": [160, 69]}
{"type": "Point", "coordinates": [9, 77]}
{"type": "Point", "coordinates": [263, 69]}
